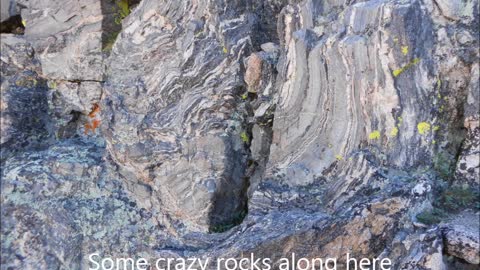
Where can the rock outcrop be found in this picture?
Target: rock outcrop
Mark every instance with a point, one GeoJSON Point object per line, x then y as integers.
{"type": "Point", "coordinates": [215, 128]}
{"type": "Point", "coordinates": [365, 78]}
{"type": "Point", "coordinates": [462, 238]}
{"type": "Point", "coordinates": [24, 104]}
{"type": "Point", "coordinates": [67, 41]}
{"type": "Point", "coordinates": [176, 122]}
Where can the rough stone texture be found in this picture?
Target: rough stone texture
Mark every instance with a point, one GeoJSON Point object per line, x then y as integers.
{"type": "Point", "coordinates": [468, 164]}
{"type": "Point", "coordinates": [175, 122]}
{"type": "Point", "coordinates": [334, 126]}
{"type": "Point", "coordinates": [24, 107]}
{"type": "Point", "coordinates": [417, 250]}
{"type": "Point", "coordinates": [66, 36]}
{"type": "Point", "coordinates": [462, 239]}
{"type": "Point", "coordinates": [72, 107]}
{"type": "Point", "coordinates": [347, 82]}
{"type": "Point", "coordinates": [69, 43]}
{"type": "Point", "coordinates": [58, 207]}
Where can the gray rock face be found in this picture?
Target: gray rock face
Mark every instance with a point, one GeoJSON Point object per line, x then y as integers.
{"type": "Point", "coordinates": [67, 37]}
{"type": "Point", "coordinates": [176, 122]}
{"type": "Point", "coordinates": [70, 46]}
{"type": "Point", "coordinates": [468, 164]}
{"type": "Point", "coordinates": [151, 128]}
{"type": "Point", "coordinates": [74, 108]}
{"type": "Point", "coordinates": [24, 106]}
{"type": "Point", "coordinates": [462, 239]}
{"type": "Point", "coordinates": [9, 9]}
{"type": "Point", "coordinates": [365, 78]}
{"type": "Point", "coordinates": [59, 206]}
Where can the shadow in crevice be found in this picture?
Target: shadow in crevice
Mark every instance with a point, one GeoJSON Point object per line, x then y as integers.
{"type": "Point", "coordinates": [114, 11]}
{"type": "Point", "coordinates": [25, 117]}
{"type": "Point", "coordinates": [230, 201]}
{"type": "Point", "coordinates": [13, 25]}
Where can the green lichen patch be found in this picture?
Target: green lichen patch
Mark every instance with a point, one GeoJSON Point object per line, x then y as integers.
{"type": "Point", "coordinates": [110, 41]}
{"type": "Point", "coordinates": [430, 217]}
{"type": "Point", "coordinates": [450, 201]}
{"type": "Point", "coordinates": [244, 137]}
{"type": "Point", "coordinates": [458, 198]}
{"type": "Point", "coordinates": [122, 10]}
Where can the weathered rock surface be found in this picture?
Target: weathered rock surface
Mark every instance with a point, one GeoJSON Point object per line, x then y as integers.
{"type": "Point", "coordinates": [468, 164]}
{"type": "Point", "coordinates": [66, 36]}
{"type": "Point", "coordinates": [176, 122]}
{"type": "Point", "coordinates": [462, 238]}
{"type": "Point", "coordinates": [24, 106]}
{"type": "Point", "coordinates": [152, 129]}
{"type": "Point", "coordinates": [58, 205]}
{"type": "Point", "coordinates": [348, 77]}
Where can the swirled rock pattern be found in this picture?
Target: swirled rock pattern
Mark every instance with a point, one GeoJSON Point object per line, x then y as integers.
{"type": "Point", "coordinates": [175, 122]}
{"type": "Point", "coordinates": [366, 77]}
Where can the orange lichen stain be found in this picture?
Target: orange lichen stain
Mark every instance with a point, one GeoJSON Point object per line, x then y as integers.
{"type": "Point", "coordinates": [93, 124]}
{"type": "Point", "coordinates": [95, 110]}
{"type": "Point", "coordinates": [88, 127]}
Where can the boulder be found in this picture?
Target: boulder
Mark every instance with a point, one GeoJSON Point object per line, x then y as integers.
{"type": "Point", "coordinates": [461, 237]}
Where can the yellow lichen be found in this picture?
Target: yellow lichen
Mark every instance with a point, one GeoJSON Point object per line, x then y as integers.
{"type": "Point", "coordinates": [394, 132]}
{"type": "Point", "coordinates": [399, 71]}
{"type": "Point", "coordinates": [434, 142]}
{"type": "Point", "coordinates": [423, 128]}
{"type": "Point", "coordinates": [225, 50]}
{"type": "Point", "coordinates": [53, 84]}
{"type": "Point", "coordinates": [339, 157]}
{"type": "Point", "coordinates": [374, 135]}
{"type": "Point", "coordinates": [24, 23]}
{"type": "Point", "coordinates": [405, 50]}
{"type": "Point", "coordinates": [439, 83]}
{"type": "Point", "coordinates": [435, 128]}
{"type": "Point", "coordinates": [400, 120]}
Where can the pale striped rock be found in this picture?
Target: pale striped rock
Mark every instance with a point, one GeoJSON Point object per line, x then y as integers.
{"type": "Point", "coordinates": [173, 107]}
{"type": "Point", "coordinates": [366, 77]}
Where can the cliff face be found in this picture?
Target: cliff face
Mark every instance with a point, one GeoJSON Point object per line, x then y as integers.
{"type": "Point", "coordinates": [216, 128]}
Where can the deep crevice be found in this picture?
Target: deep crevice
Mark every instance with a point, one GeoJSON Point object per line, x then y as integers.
{"type": "Point", "coordinates": [114, 11]}
{"type": "Point", "coordinates": [264, 31]}
{"type": "Point", "coordinates": [13, 25]}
